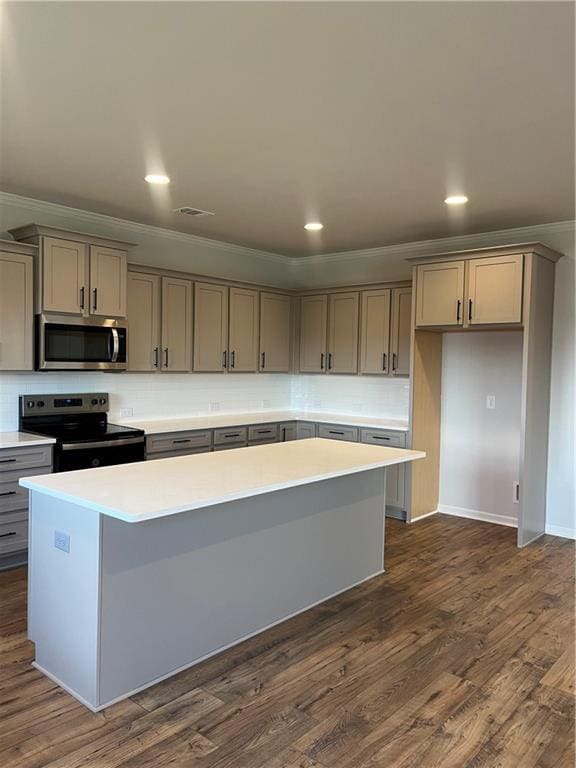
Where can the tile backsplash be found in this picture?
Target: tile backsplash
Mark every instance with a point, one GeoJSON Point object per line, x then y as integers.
{"type": "Point", "coordinates": [368, 395]}
{"type": "Point", "coordinates": [162, 396]}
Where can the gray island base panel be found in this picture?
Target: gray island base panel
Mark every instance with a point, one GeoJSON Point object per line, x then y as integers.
{"type": "Point", "coordinates": [129, 605]}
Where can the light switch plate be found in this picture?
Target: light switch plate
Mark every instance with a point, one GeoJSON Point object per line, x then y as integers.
{"type": "Point", "coordinates": [491, 402]}
{"type": "Point", "coordinates": [126, 412]}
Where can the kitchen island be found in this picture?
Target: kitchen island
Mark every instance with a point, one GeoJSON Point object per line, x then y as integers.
{"type": "Point", "coordinates": [138, 571]}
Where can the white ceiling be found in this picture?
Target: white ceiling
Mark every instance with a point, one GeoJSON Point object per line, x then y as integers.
{"type": "Point", "coordinates": [364, 115]}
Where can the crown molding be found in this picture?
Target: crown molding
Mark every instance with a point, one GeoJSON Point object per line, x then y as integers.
{"type": "Point", "coordinates": [537, 232]}
{"type": "Point", "coordinates": [55, 209]}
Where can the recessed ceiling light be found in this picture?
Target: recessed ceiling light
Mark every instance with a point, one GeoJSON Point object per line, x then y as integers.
{"type": "Point", "coordinates": [314, 226]}
{"type": "Point", "coordinates": [456, 200]}
{"type": "Point", "coordinates": [157, 178]}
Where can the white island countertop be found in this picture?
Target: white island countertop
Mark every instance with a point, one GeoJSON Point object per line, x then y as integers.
{"type": "Point", "coordinates": [148, 490]}
{"type": "Point", "coordinates": [23, 440]}
{"type": "Point", "coordinates": [215, 420]}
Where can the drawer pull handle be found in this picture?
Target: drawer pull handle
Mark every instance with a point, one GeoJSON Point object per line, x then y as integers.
{"type": "Point", "coordinates": [7, 461]}
{"type": "Point", "coordinates": [264, 431]}
{"type": "Point", "coordinates": [187, 440]}
{"type": "Point", "coordinates": [233, 434]}
{"type": "Point", "coordinates": [333, 432]}
{"type": "Point", "coordinates": [8, 493]}
{"type": "Point", "coordinates": [377, 437]}
{"type": "Point", "coordinates": [5, 535]}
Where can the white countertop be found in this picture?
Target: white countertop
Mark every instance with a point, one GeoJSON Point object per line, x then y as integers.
{"type": "Point", "coordinates": [23, 440]}
{"type": "Point", "coordinates": [148, 490]}
{"type": "Point", "coordinates": [215, 420]}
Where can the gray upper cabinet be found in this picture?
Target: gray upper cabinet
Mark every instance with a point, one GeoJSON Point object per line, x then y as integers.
{"type": "Point", "coordinates": [440, 294]}
{"type": "Point", "coordinates": [16, 307]}
{"type": "Point", "coordinates": [313, 333]}
{"type": "Point", "coordinates": [77, 273]}
{"type": "Point", "coordinates": [210, 327]}
{"type": "Point", "coordinates": [144, 293]}
{"type": "Point", "coordinates": [401, 331]}
{"type": "Point", "coordinates": [275, 328]}
{"type": "Point", "coordinates": [343, 333]}
{"type": "Point", "coordinates": [375, 332]}
{"type": "Point", "coordinates": [176, 347]}
{"type": "Point", "coordinates": [243, 330]}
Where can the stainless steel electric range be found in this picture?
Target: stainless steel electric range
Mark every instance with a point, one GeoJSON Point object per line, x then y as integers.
{"type": "Point", "coordinates": [79, 424]}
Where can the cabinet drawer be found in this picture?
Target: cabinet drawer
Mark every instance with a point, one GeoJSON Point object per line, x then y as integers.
{"type": "Point", "coordinates": [232, 435]}
{"type": "Point", "coordinates": [178, 441]}
{"type": "Point", "coordinates": [13, 536]}
{"type": "Point", "coordinates": [336, 432]}
{"type": "Point", "coordinates": [173, 454]}
{"type": "Point", "coordinates": [229, 446]}
{"type": "Point", "coordinates": [383, 437]}
{"type": "Point", "coordinates": [10, 518]}
{"type": "Point", "coordinates": [306, 430]}
{"type": "Point", "coordinates": [12, 495]}
{"type": "Point", "coordinates": [263, 433]}
{"type": "Point", "coordinates": [15, 459]}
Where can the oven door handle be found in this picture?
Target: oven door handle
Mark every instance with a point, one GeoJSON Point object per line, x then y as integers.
{"type": "Point", "coordinates": [102, 444]}
{"type": "Point", "coordinates": [115, 345]}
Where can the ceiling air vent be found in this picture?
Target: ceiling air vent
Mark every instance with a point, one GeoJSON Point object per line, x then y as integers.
{"type": "Point", "coordinates": [189, 211]}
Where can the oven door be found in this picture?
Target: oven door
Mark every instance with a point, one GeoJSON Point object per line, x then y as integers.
{"type": "Point", "coordinates": [64, 343]}
{"type": "Point", "coordinates": [103, 453]}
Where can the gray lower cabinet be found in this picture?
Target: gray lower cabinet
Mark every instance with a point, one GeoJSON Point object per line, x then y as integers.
{"type": "Point", "coordinates": [288, 431]}
{"type": "Point", "coordinates": [337, 432]}
{"type": "Point", "coordinates": [396, 477]}
{"type": "Point", "coordinates": [263, 433]}
{"type": "Point", "coordinates": [230, 437]}
{"type": "Point", "coordinates": [14, 464]}
{"type": "Point", "coordinates": [306, 429]}
{"type": "Point", "coordinates": [165, 446]}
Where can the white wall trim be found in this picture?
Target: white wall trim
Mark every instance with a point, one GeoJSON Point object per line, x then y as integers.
{"type": "Point", "coordinates": [441, 245]}
{"type": "Point", "coordinates": [476, 514]}
{"type": "Point", "coordinates": [558, 530]}
{"type": "Point", "coordinates": [90, 217]}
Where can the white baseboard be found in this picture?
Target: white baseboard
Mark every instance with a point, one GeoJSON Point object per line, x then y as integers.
{"type": "Point", "coordinates": [558, 530]}
{"type": "Point", "coordinates": [476, 514]}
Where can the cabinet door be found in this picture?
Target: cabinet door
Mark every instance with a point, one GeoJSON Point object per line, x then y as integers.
{"type": "Point", "coordinates": [313, 318]}
{"type": "Point", "coordinates": [287, 431]}
{"type": "Point", "coordinates": [395, 486]}
{"type": "Point", "coordinates": [64, 276]}
{"type": "Point", "coordinates": [108, 271]}
{"type": "Point", "coordinates": [495, 290]}
{"type": "Point", "coordinates": [16, 312]}
{"type": "Point", "coordinates": [343, 333]}
{"type": "Point", "coordinates": [306, 430]}
{"type": "Point", "coordinates": [176, 324]}
{"type": "Point", "coordinates": [274, 332]}
{"type": "Point", "coordinates": [401, 330]}
{"type": "Point", "coordinates": [210, 327]}
{"type": "Point", "coordinates": [375, 332]}
{"type": "Point", "coordinates": [243, 330]}
{"type": "Point", "coordinates": [440, 293]}
{"type": "Point", "coordinates": [143, 322]}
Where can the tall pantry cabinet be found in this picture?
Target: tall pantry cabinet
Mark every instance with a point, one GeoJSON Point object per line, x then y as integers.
{"type": "Point", "coordinates": [505, 288]}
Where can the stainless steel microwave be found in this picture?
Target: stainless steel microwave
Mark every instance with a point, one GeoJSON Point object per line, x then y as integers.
{"type": "Point", "coordinates": [65, 343]}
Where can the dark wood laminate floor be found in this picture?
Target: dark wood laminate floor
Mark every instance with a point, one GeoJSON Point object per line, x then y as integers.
{"type": "Point", "coordinates": [460, 656]}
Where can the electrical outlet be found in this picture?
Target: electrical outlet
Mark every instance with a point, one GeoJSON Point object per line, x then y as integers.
{"type": "Point", "coordinates": [126, 412]}
{"type": "Point", "coordinates": [265, 403]}
{"type": "Point", "coordinates": [62, 541]}
{"type": "Point", "coordinates": [214, 407]}
{"type": "Point", "coordinates": [491, 402]}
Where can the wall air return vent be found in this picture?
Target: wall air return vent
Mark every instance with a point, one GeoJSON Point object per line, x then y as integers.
{"type": "Point", "coordinates": [189, 211]}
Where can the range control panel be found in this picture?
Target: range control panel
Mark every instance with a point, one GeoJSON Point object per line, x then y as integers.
{"type": "Point", "coordinates": [86, 402]}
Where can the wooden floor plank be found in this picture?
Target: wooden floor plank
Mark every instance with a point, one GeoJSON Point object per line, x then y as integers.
{"type": "Point", "coordinates": [459, 655]}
